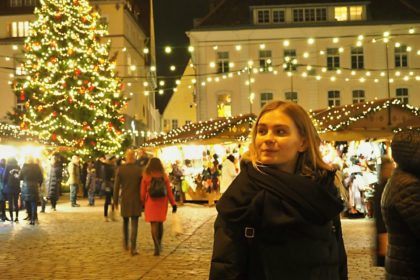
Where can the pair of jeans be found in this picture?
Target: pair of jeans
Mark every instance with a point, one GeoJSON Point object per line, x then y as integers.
{"type": "Point", "coordinates": [32, 207]}
{"type": "Point", "coordinates": [134, 229]}
{"type": "Point", "coordinates": [13, 199]}
{"type": "Point", "coordinates": [73, 193]}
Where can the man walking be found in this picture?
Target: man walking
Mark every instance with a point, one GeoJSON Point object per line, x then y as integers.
{"type": "Point", "coordinates": [128, 179]}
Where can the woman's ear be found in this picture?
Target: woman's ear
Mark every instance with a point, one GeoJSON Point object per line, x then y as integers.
{"type": "Point", "coordinates": [303, 145]}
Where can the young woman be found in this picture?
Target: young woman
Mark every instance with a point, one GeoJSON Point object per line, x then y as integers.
{"type": "Point", "coordinates": [156, 207]}
{"type": "Point", "coordinates": [279, 219]}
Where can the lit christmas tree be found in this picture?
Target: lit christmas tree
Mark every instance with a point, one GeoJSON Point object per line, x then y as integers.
{"type": "Point", "coordinates": [73, 97]}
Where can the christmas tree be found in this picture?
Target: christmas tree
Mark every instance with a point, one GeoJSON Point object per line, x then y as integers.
{"type": "Point", "coordinates": [73, 96]}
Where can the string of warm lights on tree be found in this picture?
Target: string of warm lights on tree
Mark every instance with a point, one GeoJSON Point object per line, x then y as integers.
{"type": "Point", "coordinates": [73, 96]}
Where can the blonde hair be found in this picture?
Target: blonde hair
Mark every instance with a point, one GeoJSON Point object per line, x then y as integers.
{"type": "Point", "coordinates": [310, 162]}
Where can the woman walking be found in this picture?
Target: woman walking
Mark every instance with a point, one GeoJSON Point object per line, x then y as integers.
{"type": "Point", "coordinates": [53, 184]}
{"type": "Point", "coordinates": [279, 219]}
{"type": "Point", "coordinates": [155, 192]}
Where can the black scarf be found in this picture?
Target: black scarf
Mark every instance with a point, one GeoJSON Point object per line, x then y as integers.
{"type": "Point", "coordinates": [276, 198]}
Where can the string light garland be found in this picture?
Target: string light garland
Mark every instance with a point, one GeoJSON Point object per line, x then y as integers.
{"type": "Point", "coordinates": [71, 92]}
{"type": "Point", "coordinates": [229, 128]}
{"type": "Point", "coordinates": [338, 118]}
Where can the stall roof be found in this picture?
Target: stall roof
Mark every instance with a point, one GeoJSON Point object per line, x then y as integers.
{"type": "Point", "coordinates": [370, 119]}
{"type": "Point", "coordinates": [220, 130]}
{"type": "Point", "coordinates": [12, 133]}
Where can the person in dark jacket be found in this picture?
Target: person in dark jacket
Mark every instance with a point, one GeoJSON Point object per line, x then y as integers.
{"type": "Point", "coordinates": [128, 179]}
{"type": "Point", "coordinates": [401, 208]}
{"type": "Point", "coordinates": [279, 219]}
{"type": "Point", "coordinates": [385, 171]}
{"type": "Point", "coordinates": [53, 183]}
{"type": "Point", "coordinates": [11, 186]}
{"type": "Point", "coordinates": [3, 216]}
{"type": "Point", "coordinates": [108, 176]}
{"type": "Point", "coordinates": [32, 178]}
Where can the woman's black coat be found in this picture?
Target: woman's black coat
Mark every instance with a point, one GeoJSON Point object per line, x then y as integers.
{"type": "Point", "coordinates": [11, 182]}
{"type": "Point", "coordinates": [296, 227]}
{"type": "Point", "coordinates": [55, 176]}
{"type": "Point", "coordinates": [32, 178]}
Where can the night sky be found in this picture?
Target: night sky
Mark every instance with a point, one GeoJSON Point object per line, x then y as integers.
{"type": "Point", "coordinates": [172, 19]}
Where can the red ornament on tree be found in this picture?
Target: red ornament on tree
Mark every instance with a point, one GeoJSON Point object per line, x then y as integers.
{"type": "Point", "coordinates": [54, 114]}
{"type": "Point", "coordinates": [85, 82]}
{"type": "Point", "coordinates": [76, 2]}
{"type": "Point", "coordinates": [22, 95]}
{"type": "Point", "coordinates": [91, 88]}
{"type": "Point", "coordinates": [77, 72]}
{"type": "Point", "coordinates": [54, 137]}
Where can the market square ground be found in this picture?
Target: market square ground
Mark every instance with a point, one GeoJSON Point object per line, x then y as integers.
{"type": "Point", "coordinates": [76, 243]}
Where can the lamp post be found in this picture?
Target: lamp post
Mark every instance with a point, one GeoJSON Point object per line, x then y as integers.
{"type": "Point", "coordinates": [387, 80]}
{"type": "Point", "coordinates": [251, 95]}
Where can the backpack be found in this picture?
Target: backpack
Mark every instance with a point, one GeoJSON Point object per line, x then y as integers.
{"type": "Point", "coordinates": [157, 187]}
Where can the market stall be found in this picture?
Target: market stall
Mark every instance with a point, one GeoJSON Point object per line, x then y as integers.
{"type": "Point", "coordinates": [203, 146]}
{"type": "Point", "coordinates": [371, 119]}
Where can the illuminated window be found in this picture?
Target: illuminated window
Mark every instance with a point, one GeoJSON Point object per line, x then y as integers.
{"type": "Point", "coordinates": [356, 12]}
{"type": "Point", "coordinates": [340, 13]}
{"type": "Point", "coordinates": [265, 59]}
{"type": "Point", "coordinates": [402, 94]}
{"type": "Point", "coordinates": [289, 56]}
{"type": "Point", "coordinates": [19, 29]}
{"type": "Point", "coordinates": [291, 96]}
{"type": "Point", "coordinates": [357, 60]}
{"type": "Point", "coordinates": [333, 98]}
{"type": "Point", "coordinates": [222, 62]}
{"type": "Point", "coordinates": [166, 124]}
{"type": "Point", "coordinates": [20, 102]}
{"type": "Point", "coordinates": [265, 97]}
{"type": "Point", "coordinates": [174, 124]}
{"type": "Point", "coordinates": [358, 96]}
{"type": "Point", "coordinates": [224, 107]}
{"type": "Point", "coordinates": [20, 70]}
{"type": "Point", "coordinates": [401, 56]}
{"type": "Point", "coordinates": [333, 59]}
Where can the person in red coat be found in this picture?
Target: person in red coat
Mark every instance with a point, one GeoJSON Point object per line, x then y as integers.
{"type": "Point", "coordinates": [156, 208]}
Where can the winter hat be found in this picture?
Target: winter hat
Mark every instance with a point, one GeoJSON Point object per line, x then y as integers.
{"type": "Point", "coordinates": [406, 150]}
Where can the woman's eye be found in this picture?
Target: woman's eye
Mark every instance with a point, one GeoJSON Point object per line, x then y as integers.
{"type": "Point", "coordinates": [261, 131]}
{"type": "Point", "coordinates": [280, 131]}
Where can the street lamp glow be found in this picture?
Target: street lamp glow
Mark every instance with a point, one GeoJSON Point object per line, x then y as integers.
{"type": "Point", "coordinates": [168, 49]}
{"type": "Point", "coordinates": [305, 54]}
{"type": "Point", "coordinates": [145, 50]}
{"type": "Point", "coordinates": [212, 64]}
{"type": "Point", "coordinates": [262, 46]}
{"type": "Point", "coordinates": [153, 68]}
{"type": "Point", "coordinates": [191, 49]}
{"type": "Point", "coordinates": [286, 43]}
{"type": "Point", "coordinates": [161, 83]}
{"type": "Point", "coordinates": [311, 41]}
{"type": "Point", "coordinates": [335, 40]}
{"type": "Point", "coordinates": [172, 68]}
{"type": "Point", "coordinates": [386, 34]}
{"type": "Point", "coordinates": [411, 30]}
{"type": "Point", "coordinates": [238, 47]}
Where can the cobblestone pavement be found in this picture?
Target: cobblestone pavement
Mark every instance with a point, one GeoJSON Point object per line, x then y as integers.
{"type": "Point", "coordinates": [76, 243]}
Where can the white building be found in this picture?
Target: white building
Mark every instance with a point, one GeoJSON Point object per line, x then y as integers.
{"type": "Point", "coordinates": [130, 31]}
{"type": "Point", "coordinates": [318, 54]}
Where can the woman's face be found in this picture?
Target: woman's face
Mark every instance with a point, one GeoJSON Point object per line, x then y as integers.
{"type": "Point", "coordinates": [277, 141]}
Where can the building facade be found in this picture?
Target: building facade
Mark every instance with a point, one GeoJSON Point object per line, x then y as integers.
{"type": "Point", "coordinates": [181, 108]}
{"type": "Point", "coordinates": [131, 35]}
{"type": "Point", "coordinates": [319, 55]}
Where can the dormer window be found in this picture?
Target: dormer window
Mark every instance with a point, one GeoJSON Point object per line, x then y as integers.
{"type": "Point", "coordinates": [345, 13]}
{"type": "Point", "coordinates": [269, 16]}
